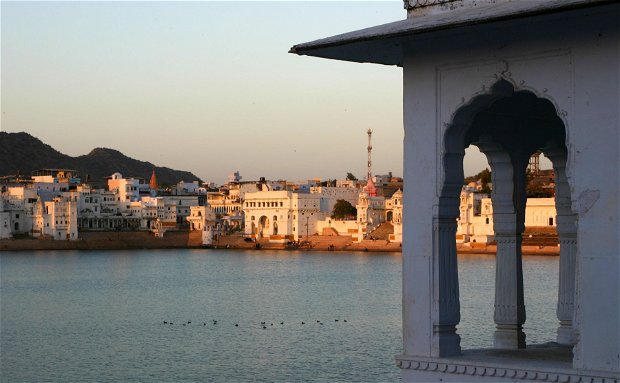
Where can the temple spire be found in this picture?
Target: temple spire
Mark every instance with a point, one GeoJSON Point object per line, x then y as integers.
{"type": "Point", "coordinates": [153, 182]}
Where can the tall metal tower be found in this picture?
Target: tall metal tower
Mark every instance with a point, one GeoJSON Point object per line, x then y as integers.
{"type": "Point", "coordinates": [369, 176]}
{"type": "Point", "coordinates": [534, 164]}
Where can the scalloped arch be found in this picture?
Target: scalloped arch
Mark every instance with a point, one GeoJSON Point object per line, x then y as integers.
{"type": "Point", "coordinates": [517, 121]}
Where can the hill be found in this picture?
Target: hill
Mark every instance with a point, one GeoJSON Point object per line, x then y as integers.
{"type": "Point", "coordinates": [21, 152]}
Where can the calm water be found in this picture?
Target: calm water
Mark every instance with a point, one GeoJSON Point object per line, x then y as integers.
{"type": "Point", "coordinates": [98, 316]}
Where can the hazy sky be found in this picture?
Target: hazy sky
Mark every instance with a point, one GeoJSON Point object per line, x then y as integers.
{"type": "Point", "coordinates": [207, 87]}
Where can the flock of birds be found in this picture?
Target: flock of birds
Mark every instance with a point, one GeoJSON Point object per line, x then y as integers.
{"type": "Point", "coordinates": [262, 324]}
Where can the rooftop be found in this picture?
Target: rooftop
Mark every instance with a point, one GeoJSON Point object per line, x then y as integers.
{"type": "Point", "coordinates": [383, 44]}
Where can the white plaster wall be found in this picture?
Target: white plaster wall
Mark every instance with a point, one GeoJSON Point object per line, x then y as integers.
{"type": "Point", "coordinates": [347, 227]}
{"type": "Point", "coordinates": [538, 211]}
{"type": "Point", "coordinates": [595, 189]}
{"type": "Point", "coordinates": [572, 61]}
{"type": "Point", "coordinates": [5, 225]}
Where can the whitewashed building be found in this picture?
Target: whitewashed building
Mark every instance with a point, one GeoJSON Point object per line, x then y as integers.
{"type": "Point", "coordinates": [60, 219]}
{"type": "Point", "coordinates": [372, 211]}
{"type": "Point", "coordinates": [475, 222]}
{"type": "Point", "coordinates": [127, 190]}
{"type": "Point", "coordinates": [512, 78]}
{"type": "Point", "coordinates": [202, 218]}
{"type": "Point", "coordinates": [284, 215]}
{"type": "Point", "coordinates": [5, 221]}
{"type": "Point", "coordinates": [395, 205]}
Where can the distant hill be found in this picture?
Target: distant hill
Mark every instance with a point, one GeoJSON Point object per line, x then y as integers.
{"type": "Point", "coordinates": [21, 152]}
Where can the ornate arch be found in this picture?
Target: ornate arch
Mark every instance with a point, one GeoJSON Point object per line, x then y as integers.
{"type": "Point", "coordinates": [508, 126]}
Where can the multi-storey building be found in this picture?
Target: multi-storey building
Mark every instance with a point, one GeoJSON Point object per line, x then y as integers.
{"type": "Point", "coordinates": [60, 219]}
{"type": "Point", "coordinates": [127, 190]}
{"type": "Point", "coordinates": [283, 215]}
{"type": "Point", "coordinates": [202, 218]}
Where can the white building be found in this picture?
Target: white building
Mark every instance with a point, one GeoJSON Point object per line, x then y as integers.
{"type": "Point", "coordinates": [60, 219]}
{"type": "Point", "coordinates": [127, 190]}
{"type": "Point", "coordinates": [20, 202]}
{"type": "Point", "coordinates": [5, 221]}
{"type": "Point", "coordinates": [372, 211]}
{"type": "Point", "coordinates": [182, 205]}
{"type": "Point", "coordinates": [103, 210]}
{"type": "Point", "coordinates": [475, 222]}
{"type": "Point", "coordinates": [202, 218]}
{"type": "Point", "coordinates": [234, 177]}
{"type": "Point", "coordinates": [224, 202]}
{"type": "Point", "coordinates": [395, 205]}
{"type": "Point", "coordinates": [284, 215]}
{"type": "Point", "coordinates": [511, 77]}
{"type": "Point", "coordinates": [54, 206]}
{"type": "Point", "coordinates": [189, 188]}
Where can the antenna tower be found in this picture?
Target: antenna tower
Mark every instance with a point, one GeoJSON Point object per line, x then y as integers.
{"type": "Point", "coordinates": [369, 155]}
{"type": "Point", "coordinates": [534, 164]}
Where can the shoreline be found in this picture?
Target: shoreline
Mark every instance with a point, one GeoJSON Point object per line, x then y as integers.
{"type": "Point", "coordinates": [193, 240]}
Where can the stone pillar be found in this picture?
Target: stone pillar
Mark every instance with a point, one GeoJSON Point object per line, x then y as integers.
{"type": "Point", "coordinates": [509, 313]}
{"type": "Point", "coordinates": [566, 289]}
{"type": "Point", "coordinates": [566, 222]}
{"type": "Point", "coordinates": [508, 198]}
{"type": "Point", "coordinates": [445, 288]}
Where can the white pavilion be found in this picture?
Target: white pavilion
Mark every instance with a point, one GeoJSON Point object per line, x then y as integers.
{"type": "Point", "coordinates": [512, 78]}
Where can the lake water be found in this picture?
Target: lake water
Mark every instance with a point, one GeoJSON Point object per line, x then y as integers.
{"type": "Point", "coordinates": [99, 315]}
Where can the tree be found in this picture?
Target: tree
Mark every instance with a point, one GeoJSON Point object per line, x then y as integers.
{"type": "Point", "coordinates": [484, 176]}
{"type": "Point", "coordinates": [351, 177]}
{"type": "Point", "coordinates": [343, 210]}
{"type": "Point", "coordinates": [485, 179]}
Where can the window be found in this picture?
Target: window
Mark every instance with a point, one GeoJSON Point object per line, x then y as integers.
{"type": "Point", "coordinates": [550, 221]}
{"type": "Point", "coordinates": [487, 221]}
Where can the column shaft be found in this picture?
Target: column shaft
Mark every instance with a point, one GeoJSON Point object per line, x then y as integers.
{"type": "Point", "coordinates": [566, 289]}
{"type": "Point", "coordinates": [446, 342]}
{"type": "Point", "coordinates": [509, 302]}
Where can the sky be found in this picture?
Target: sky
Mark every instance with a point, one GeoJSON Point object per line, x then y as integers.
{"type": "Point", "coordinates": [207, 87]}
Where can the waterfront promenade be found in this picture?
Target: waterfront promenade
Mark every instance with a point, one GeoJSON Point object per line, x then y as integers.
{"type": "Point", "coordinates": [192, 240]}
